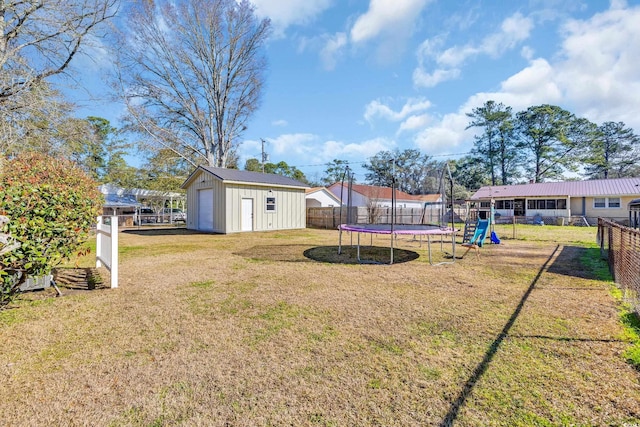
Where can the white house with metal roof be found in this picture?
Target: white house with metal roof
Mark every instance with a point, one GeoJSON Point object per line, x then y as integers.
{"type": "Point", "coordinates": [229, 201]}
{"type": "Point", "coordinates": [371, 195]}
{"type": "Point", "coordinates": [320, 197]}
{"type": "Point", "coordinates": [606, 198]}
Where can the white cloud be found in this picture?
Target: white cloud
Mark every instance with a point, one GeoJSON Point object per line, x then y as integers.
{"type": "Point", "coordinates": [594, 76]}
{"type": "Point", "coordinates": [284, 13]}
{"type": "Point", "coordinates": [421, 78]}
{"type": "Point", "coordinates": [293, 143]}
{"type": "Point", "coordinates": [332, 50]}
{"type": "Point", "coordinates": [446, 137]}
{"type": "Point", "coordinates": [378, 109]}
{"type": "Point", "coordinates": [279, 123]}
{"type": "Point", "coordinates": [455, 56]}
{"type": "Point", "coordinates": [527, 52]}
{"type": "Point", "coordinates": [385, 16]}
{"type": "Point", "coordinates": [355, 151]}
{"type": "Point", "coordinates": [599, 66]}
{"type": "Point", "coordinates": [534, 84]}
{"type": "Point", "coordinates": [415, 122]}
{"type": "Point", "coordinates": [513, 30]}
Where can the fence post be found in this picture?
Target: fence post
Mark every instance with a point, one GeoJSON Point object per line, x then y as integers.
{"type": "Point", "coordinates": [107, 247]}
{"type": "Point", "coordinates": [114, 252]}
{"type": "Point", "coordinates": [99, 243]}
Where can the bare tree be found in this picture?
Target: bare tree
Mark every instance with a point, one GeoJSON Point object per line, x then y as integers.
{"type": "Point", "coordinates": [191, 74]}
{"type": "Point", "coordinates": [39, 38]}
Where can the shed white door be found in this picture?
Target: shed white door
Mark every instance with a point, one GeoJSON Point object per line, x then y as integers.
{"type": "Point", "coordinates": [247, 215]}
{"type": "Point", "coordinates": [205, 210]}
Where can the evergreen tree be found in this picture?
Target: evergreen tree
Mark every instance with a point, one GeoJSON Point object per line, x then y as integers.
{"type": "Point", "coordinates": [495, 147]}
{"type": "Point", "coordinates": [552, 138]}
{"type": "Point", "coordinates": [613, 153]}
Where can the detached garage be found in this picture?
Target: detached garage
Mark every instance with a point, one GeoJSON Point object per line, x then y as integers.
{"type": "Point", "coordinates": [230, 201]}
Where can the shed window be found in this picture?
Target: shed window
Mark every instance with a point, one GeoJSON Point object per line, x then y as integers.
{"type": "Point", "coordinates": [561, 204]}
{"type": "Point", "coordinates": [271, 204]}
{"type": "Point", "coordinates": [485, 204]}
{"type": "Point", "coordinates": [614, 202]}
{"type": "Point", "coordinates": [551, 204]}
{"type": "Point", "coordinates": [599, 202]}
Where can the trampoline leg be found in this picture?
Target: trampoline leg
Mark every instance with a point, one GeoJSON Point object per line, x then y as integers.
{"type": "Point", "coordinates": [358, 247]}
{"type": "Point", "coordinates": [392, 237]}
{"type": "Point", "coordinates": [340, 242]}
{"type": "Point", "coordinates": [429, 246]}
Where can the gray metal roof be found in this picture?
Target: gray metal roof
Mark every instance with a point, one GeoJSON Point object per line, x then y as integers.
{"type": "Point", "coordinates": [236, 175]}
{"type": "Point", "coordinates": [591, 188]}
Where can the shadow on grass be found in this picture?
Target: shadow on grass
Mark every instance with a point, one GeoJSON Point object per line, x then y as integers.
{"type": "Point", "coordinates": [568, 339]}
{"type": "Point", "coordinates": [79, 279]}
{"type": "Point", "coordinates": [567, 263]}
{"type": "Point", "coordinates": [161, 231]}
{"type": "Point", "coordinates": [368, 255]}
{"type": "Point", "coordinates": [327, 254]}
{"type": "Point", "coordinates": [482, 367]}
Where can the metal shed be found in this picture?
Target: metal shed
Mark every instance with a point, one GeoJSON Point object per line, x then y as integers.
{"type": "Point", "coordinates": [229, 201]}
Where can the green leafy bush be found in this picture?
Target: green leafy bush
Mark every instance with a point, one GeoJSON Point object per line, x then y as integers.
{"type": "Point", "coordinates": [51, 204]}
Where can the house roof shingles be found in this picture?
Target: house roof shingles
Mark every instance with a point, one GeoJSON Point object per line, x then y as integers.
{"type": "Point", "coordinates": [235, 175]}
{"type": "Point", "coordinates": [591, 188]}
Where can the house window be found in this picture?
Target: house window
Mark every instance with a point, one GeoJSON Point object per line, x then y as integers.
{"type": "Point", "coordinates": [550, 204]}
{"type": "Point", "coordinates": [614, 202]}
{"type": "Point", "coordinates": [485, 204]}
{"type": "Point", "coordinates": [271, 204]}
{"type": "Point", "coordinates": [504, 204]}
{"type": "Point", "coordinates": [599, 202]}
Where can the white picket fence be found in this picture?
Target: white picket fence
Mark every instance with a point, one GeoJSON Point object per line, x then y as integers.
{"type": "Point", "coordinates": [107, 247]}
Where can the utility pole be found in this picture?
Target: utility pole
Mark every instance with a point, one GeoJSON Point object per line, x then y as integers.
{"type": "Point", "coordinates": [264, 155]}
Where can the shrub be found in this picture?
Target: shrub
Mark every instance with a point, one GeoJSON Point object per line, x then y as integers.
{"type": "Point", "coordinates": [51, 204]}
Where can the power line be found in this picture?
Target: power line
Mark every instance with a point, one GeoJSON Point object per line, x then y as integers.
{"type": "Point", "coordinates": [367, 161]}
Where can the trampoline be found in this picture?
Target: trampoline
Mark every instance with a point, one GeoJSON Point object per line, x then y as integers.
{"type": "Point", "coordinates": [398, 229]}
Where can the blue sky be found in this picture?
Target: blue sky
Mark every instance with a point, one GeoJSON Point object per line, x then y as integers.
{"type": "Point", "coordinates": [349, 78]}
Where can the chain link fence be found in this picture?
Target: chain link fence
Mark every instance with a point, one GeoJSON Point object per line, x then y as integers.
{"type": "Point", "coordinates": [620, 245]}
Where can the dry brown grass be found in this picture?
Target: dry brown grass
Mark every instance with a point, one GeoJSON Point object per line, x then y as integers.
{"type": "Point", "coordinates": [273, 329]}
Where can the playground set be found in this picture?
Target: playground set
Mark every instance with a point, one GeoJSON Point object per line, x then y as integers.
{"type": "Point", "coordinates": [476, 230]}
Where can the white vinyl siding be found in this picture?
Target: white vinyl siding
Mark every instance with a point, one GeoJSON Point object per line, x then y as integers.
{"type": "Point", "coordinates": [289, 204]}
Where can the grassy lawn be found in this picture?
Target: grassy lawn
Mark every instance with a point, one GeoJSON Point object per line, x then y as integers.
{"type": "Point", "coordinates": [276, 329]}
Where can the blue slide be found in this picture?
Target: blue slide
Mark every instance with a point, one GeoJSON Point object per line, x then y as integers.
{"type": "Point", "coordinates": [481, 232]}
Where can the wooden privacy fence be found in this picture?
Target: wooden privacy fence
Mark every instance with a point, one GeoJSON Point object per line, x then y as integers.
{"type": "Point", "coordinates": [620, 245]}
{"type": "Point", "coordinates": [330, 218]}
